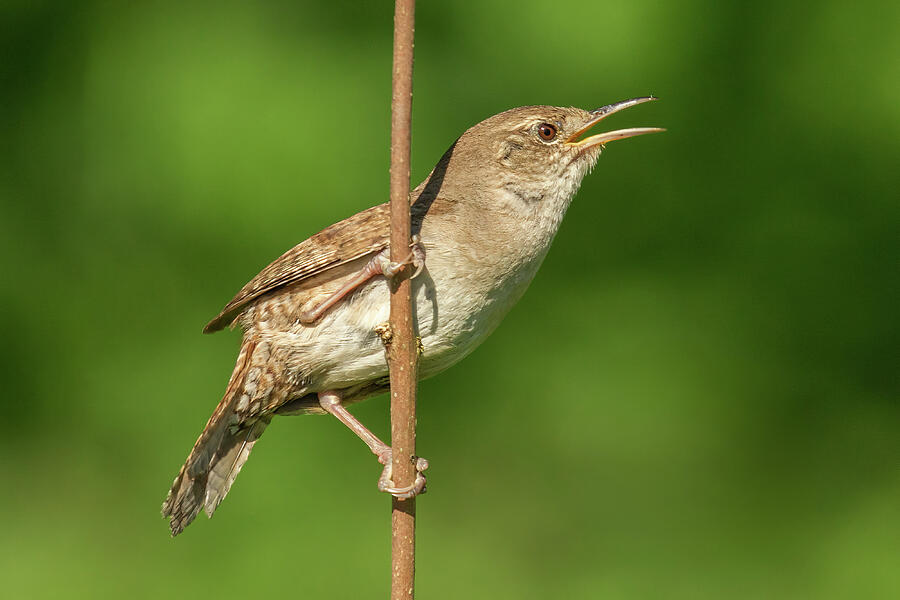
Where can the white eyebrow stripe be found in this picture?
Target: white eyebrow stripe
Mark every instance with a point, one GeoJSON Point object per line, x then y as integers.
{"type": "Point", "coordinates": [526, 123]}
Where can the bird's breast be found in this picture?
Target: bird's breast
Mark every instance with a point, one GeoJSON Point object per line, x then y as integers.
{"type": "Point", "coordinates": [472, 277]}
{"type": "Point", "coordinates": [468, 286]}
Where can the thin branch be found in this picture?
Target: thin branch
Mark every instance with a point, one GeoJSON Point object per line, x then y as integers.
{"type": "Point", "coordinates": [403, 348]}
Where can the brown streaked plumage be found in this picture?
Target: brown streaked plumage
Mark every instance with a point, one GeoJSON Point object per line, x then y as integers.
{"type": "Point", "coordinates": [362, 234]}
{"type": "Point", "coordinates": [486, 216]}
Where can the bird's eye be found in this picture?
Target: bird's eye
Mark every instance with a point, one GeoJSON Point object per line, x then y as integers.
{"type": "Point", "coordinates": [547, 131]}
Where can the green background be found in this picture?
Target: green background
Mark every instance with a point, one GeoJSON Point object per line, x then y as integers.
{"type": "Point", "coordinates": [697, 398]}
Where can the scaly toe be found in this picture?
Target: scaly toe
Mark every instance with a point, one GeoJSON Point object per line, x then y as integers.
{"type": "Point", "coordinates": [386, 484]}
{"type": "Point", "coordinates": [404, 493]}
{"type": "Point", "coordinates": [418, 256]}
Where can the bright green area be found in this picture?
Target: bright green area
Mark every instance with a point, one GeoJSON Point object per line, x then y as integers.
{"type": "Point", "coordinates": [697, 398]}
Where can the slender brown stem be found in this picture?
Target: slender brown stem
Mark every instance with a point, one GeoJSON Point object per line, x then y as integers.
{"type": "Point", "coordinates": [404, 349]}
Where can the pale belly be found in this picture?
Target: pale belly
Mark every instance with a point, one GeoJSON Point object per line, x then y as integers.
{"type": "Point", "coordinates": [454, 313]}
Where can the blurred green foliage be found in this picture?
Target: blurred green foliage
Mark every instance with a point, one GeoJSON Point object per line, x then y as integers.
{"type": "Point", "coordinates": [697, 398]}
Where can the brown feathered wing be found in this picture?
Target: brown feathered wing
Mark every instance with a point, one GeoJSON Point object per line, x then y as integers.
{"type": "Point", "coordinates": [364, 233]}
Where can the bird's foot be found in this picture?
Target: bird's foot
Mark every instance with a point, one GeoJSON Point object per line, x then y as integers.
{"type": "Point", "coordinates": [385, 484]}
{"type": "Point", "coordinates": [416, 258]}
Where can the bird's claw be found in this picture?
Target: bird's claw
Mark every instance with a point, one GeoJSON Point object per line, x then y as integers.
{"type": "Point", "coordinates": [416, 258]}
{"type": "Point", "coordinates": [385, 484]}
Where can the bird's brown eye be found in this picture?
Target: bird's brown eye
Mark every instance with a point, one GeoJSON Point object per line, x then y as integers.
{"type": "Point", "coordinates": [546, 131]}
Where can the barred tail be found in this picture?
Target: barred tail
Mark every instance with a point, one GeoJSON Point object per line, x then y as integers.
{"type": "Point", "coordinates": [217, 456]}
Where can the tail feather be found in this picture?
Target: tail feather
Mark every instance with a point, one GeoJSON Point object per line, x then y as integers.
{"type": "Point", "coordinates": [217, 456]}
{"type": "Point", "coordinates": [224, 470]}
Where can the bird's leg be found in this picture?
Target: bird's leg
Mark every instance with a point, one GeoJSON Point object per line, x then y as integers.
{"type": "Point", "coordinates": [373, 267]}
{"type": "Point", "coordinates": [379, 265]}
{"type": "Point", "coordinates": [330, 401]}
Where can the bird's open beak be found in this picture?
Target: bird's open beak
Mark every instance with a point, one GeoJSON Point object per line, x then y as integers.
{"type": "Point", "coordinates": [619, 134]}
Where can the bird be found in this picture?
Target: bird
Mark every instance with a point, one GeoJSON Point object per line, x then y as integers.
{"type": "Point", "coordinates": [314, 321]}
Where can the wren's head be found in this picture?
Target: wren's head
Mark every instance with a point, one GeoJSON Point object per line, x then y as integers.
{"type": "Point", "coordinates": [532, 159]}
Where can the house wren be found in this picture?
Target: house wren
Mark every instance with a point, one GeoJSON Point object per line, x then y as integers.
{"type": "Point", "coordinates": [314, 321]}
